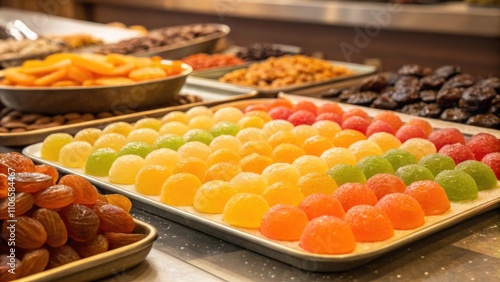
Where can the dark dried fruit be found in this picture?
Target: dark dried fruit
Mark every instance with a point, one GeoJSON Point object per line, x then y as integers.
{"type": "Point", "coordinates": [455, 115]}
{"type": "Point", "coordinates": [23, 202]}
{"type": "Point", "coordinates": [55, 197]}
{"type": "Point", "coordinates": [447, 71]}
{"type": "Point", "coordinates": [449, 97]}
{"type": "Point", "coordinates": [493, 82]}
{"type": "Point", "coordinates": [53, 225]}
{"type": "Point", "coordinates": [99, 244]}
{"type": "Point", "coordinates": [114, 219]}
{"type": "Point", "coordinates": [413, 109]}
{"type": "Point", "coordinates": [31, 182]}
{"type": "Point", "coordinates": [48, 170]}
{"type": "Point", "coordinates": [463, 80]}
{"type": "Point", "coordinates": [35, 261]}
{"type": "Point", "coordinates": [413, 70]}
{"type": "Point", "coordinates": [384, 102]}
{"type": "Point", "coordinates": [431, 83]}
{"type": "Point", "coordinates": [485, 120]}
{"type": "Point", "coordinates": [62, 255]}
{"type": "Point", "coordinates": [407, 82]}
{"type": "Point", "coordinates": [29, 232]}
{"type": "Point", "coordinates": [431, 111]}
{"type": "Point", "coordinates": [374, 83]}
{"type": "Point", "coordinates": [84, 191]}
{"type": "Point", "coordinates": [428, 96]}
{"type": "Point", "coordinates": [363, 98]}
{"type": "Point", "coordinates": [117, 240]}
{"type": "Point", "coordinates": [404, 96]}
{"type": "Point", "coordinates": [81, 222]}
{"type": "Point", "coordinates": [477, 99]}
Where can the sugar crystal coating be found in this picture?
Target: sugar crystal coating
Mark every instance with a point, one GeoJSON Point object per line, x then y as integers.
{"type": "Point", "coordinates": [458, 185]}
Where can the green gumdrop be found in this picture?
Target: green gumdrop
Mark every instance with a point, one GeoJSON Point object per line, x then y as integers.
{"type": "Point", "coordinates": [140, 149]}
{"type": "Point", "coordinates": [346, 173]}
{"type": "Point", "coordinates": [437, 163]}
{"type": "Point", "coordinates": [399, 158]}
{"type": "Point", "coordinates": [224, 128]}
{"type": "Point", "coordinates": [169, 141]}
{"type": "Point", "coordinates": [200, 135]}
{"type": "Point", "coordinates": [414, 172]}
{"type": "Point", "coordinates": [458, 185]}
{"type": "Point", "coordinates": [483, 174]}
{"type": "Point", "coordinates": [100, 161]}
{"type": "Point", "coordinates": [372, 165]}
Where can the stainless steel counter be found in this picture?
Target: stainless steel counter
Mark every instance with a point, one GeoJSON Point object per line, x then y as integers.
{"type": "Point", "coordinates": [448, 18]}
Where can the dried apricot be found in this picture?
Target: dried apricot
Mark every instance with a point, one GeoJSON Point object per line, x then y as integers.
{"type": "Point", "coordinates": [29, 232]}
{"type": "Point", "coordinates": [4, 186]}
{"type": "Point", "coordinates": [5, 262]}
{"type": "Point", "coordinates": [81, 222]}
{"type": "Point", "coordinates": [15, 162]}
{"type": "Point", "coordinates": [31, 182]}
{"type": "Point", "coordinates": [117, 240]}
{"type": "Point", "coordinates": [85, 192]}
{"type": "Point", "coordinates": [114, 219]}
{"type": "Point", "coordinates": [97, 245]}
{"type": "Point", "coordinates": [35, 261]}
{"type": "Point", "coordinates": [48, 170]}
{"type": "Point", "coordinates": [119, 201]}
{"type": "Point", "coordinates": [55, 197]}
{"type": "Point", "coordinates": [62, 255]}
{"type": "Point", "coordinates": [23, 202]}
{"type": "Point", "coordinates": [54, 226]}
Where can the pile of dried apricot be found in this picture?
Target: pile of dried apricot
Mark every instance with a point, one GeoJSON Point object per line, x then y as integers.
{"type": "Point", "coordinates": [46, 222]}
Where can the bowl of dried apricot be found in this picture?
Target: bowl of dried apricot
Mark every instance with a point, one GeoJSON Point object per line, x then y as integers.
{"type": "Point", "coordinates": [66, 82]}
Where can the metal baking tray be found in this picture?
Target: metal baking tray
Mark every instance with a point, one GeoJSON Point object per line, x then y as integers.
{"type": "Point", "coordinates": [212, 76]}
{"type": "Point", "coordinates": [102, 265]}
{"type": "Point", "coordinates": [211, 96]}
{"type": "Point", "coordinates": [290, 252]}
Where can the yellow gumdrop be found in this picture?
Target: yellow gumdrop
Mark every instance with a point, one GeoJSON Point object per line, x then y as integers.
{"type": "Point", "coordinates": [195, 166]}
{"type": "Point", "coordinates": [251, 133]}
{"type": "Point", "coordinates": [146, 135]}
{"type": "Point", "coordinates": [113, 141]}
{"type": "Point", "coordinates": [179, 189]}
{"type": "Point", "coordinates": [283, 137]}
{"type": "Point", "coordinates": [385, 141]}
{"type": "Point", "coordinates": [283, 192]}
{"type": "Point", "coordinates": [201, 122]}
{"type": "Point", "coordinates": [194, 149]}
{"type": "Point", "coordinates": [163, 157]}
{"type": "Point", "coordinates": [306, 164]}
{"type": "Point", "coordinates": [279, 171]}
{"type": "Point", "coordinates": [152, 123]}
{"type": "Point", "coordinates": [287, 153]}
{"type": "Point", "coordinates": [327, 128]}
{"type": "Point", "coordinates": [75, 154]}
{"type": "Point", "coordinates": [175, 116]}
{"type": "Point", "coordinates": [221, 171]}
{"type": "Point", "coordinates": [251, 122]}
{"type": "Point", "coordinates": [249, 182]}
{"type": "Point", "coordinates": [419, 147]}
{"type": "Point", "coordinates": [52, 144]}
{"type": "Point", "coordinates": [119, 127]}
{"type": "Point", "coordinates": [125, 168]}
{"type": "Point", "coordinates": [231, 114]}
{"type": "Point", "coordinates": [304, 131]}
{"type": "Point", "coordinates": [276, 125]}
{"type": "Point", "coordinates": [174, 127]}
{"type": "Point", "coordinates": [338, 155]}
{"type": "Point", "coordinates": [212, 196]}
{"type": "Point", "coordinates": [255, 163]}
{"type": "Point", "coordinates": [364, 148]}
{"type": "Point", "coordinates": [224, 155]}
{"type": "Point", "coordinates": [260, 147]}
{"type": "Point", "coordinates": [226, 142]}
{"type": "Point", "coordinates": [347, 137]}
{"type": "Point", "coordinates": [150, 179]}
{"type": "Point", "coordinates": [316, 182]}
{"type": "Point", "coordinates": [199, 111]}
{"type": "Point", "coordinates": [89, 135]}
{"type": "Point", "coordinates": [245, 210]}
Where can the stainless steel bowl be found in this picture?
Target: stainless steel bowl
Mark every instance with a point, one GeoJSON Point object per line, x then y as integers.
{"type": "Point", "coordinates": [93, 99]}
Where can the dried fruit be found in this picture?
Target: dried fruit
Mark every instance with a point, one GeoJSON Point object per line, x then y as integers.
{"type": "Point", "coordinates": [119, 201]}
{"type": "Point", "coordinates": [99, 244]}
{"type": "Point", "coordinates": [5, 265]}
{"type": "Point", "coordinates": [55, 197]}
{"type": "Point", "coordinates": [62, 255]}
{"type": "Point", "coordinates": [114, 219]}
{"type": "Point", "coordinates": [4, 186]}
{"type": "Point", "coordinates": [31, 182]}
{"type": "Point", "coordinates": [15, 162]}
{"type": "Point", "coordinates": [117, 240]}
{"type": "Point", "coordinates": [81, 222]}
{"type": "Point", "coordinates": [35, 261]}
{"type": "Point", "coordinates": [54, 226]}
{"type": "Point", "coordinates": [22, 204]}
{"type": "Point", "coordinates": [29, 232]}
{"type": "Point", "coordinates": [85, 192]}
{"type": "Point", "coordinates": [48, 170]}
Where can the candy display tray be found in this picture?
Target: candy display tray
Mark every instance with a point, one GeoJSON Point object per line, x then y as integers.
{"type": "Point", "coordinates": [210, 96]}
{"type": "Point", "coordinates": [290, 252]}
{"type": "Point", "coordinates": [211, 77]}
{"type": "Point", "coordinates": [102, 265]}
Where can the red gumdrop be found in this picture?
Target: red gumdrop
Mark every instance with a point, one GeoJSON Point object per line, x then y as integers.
{"type": "Point", "coordinates": [482, 144]}
{"type": "Point", "coordinates": [493, 161]}
{"type": "Point", "coordinates": [280, 112]}
{"type": "Point", "coordinates": [330, 116]}
{"type": "Point", "coordinates": [379, 126]}
{"type": "Point", "coordinates": [356, 123]}
{"type": "Point", "coordinates": [458, 152]}
{"type": "Point", "coordinates": [302, 117]}
{"type": "Point", "coordinates": [407, 132]}
{"type": "Point", "coordinates": [446, 136]}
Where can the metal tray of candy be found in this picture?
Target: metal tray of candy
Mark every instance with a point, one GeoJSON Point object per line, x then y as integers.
{"type": "Point", "coordinates": [209, 96]}
{"type": "Point", "coordinates": [104, 264]}
{"type": "Point", "coordinates": [212, 76]}
{"type": "Point", "coordinates": [290, 252]}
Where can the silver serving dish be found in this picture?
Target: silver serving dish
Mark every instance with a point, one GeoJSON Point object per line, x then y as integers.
{"type": "Point", "coordinates": [92, 99]}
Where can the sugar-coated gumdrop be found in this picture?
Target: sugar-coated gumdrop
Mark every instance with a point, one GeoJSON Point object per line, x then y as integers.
{"type": "Point", "coordinates": [419, 147]}
{"type": "Point", "coordinates": [407, 132]}
{"type": "Point", "coordinates": [251, 122]}
{"type": "Point", "coordinates": [430, 195]}
{"type": "Point", "coordinates": [458, 185]}
{"type": "Point", "coordinates": [305, 105]}
{"type": "Point", "coordinates": [175, 116]}
{"type": "Point", "coordinates": [179, 189]}
{"type": "Point", "coordinates": [245, 210]}
{"type": "Point", "coordinates": [170, 141]}
{"type": "Point", "coordinates": [125, 168]}
{"type": "Point", "coordinates": [379, 126]}
{"type": "Point", "coordinates": [163, 157]}
{"type": "Point", "coordinates": [327, 235]}
{"type": "Point", "coordinates": [212, 196]}
{"type": "Point", "coordinates": [280, 112]}
{"type": "Point", "coordinates": [347, 137]}
{"type": "Point", "coordinates": [307, 164]}
{"type": "Point", "coordinates": [195, 166]}
{"type": "Point", "coordinates": [251, 134]}
{"type": "Point", "coordinates": [148, 122]}
{"type": "Point", "coordinates": [346, 173]}
{"type": "Point", "coordinates": [174, 127]}
{"type": "Point", "coordinates": [256, 107]}
{"type": "Point", "coordinates": [316, 182]}
{"type": "Point", "coordinates": [353, 194]}
{"type": "Point", "coordinates": [437, 163]}
{"type": "Point", "coordinates": [280, 103]}
{"type": "Point", "coordinates": [230, 114]}
{"type": "Point", "coordinates": [385, 141]}
{"type": "Point", "coordinates": [277, 125]}
{"type": "Point", "coordinates": [316, 145]}
{"type": "Point", "coordinates": [355, 112]}
{"type": "Point", "coordinates": [446, 136]}
{"type": "Point", "coordinates": [414, 172]}
{"type": "Point", "coordinates": [260, 147]}
{"type": "Point", "coordinates": [283, 192]}
{"type": "Point", "coordinates": [287, 153]}
{"type": "Point", "coordinates": [302, 117]}
{"type": "Point", "coordinates": [224, 128]}
{"type": "Point", "coordinates": [89, 135]}
{"type": "Point", "coordinates": [255, 163]}
{"type": "Point", "coordinates": [199, 135]}
{"type": "Point", "coordinates": [282, 137]}
{"type": "Point", "coordinates": [224, 155]}
{"type": "Point", "coordinates": [201, 122]}
{"type": "Point", "coordinates": [356, 123]}
{"type": "Point", "coordinates": [135, 148]}
{"type": "Point", "coordinates": [493, 161]}
{"type": "Point", "coordinates": [399, 158]}
{"type": "Point", "coordinates": [303, 132]}
{"type": "Point", "coordinates": [327, 128]}
{"type": "Point", "coordinates": [458, 152]}
{"type": "Point", "coordinates": [226, 141]}
{"type": "Point", "coordinates": [330, 117]}
{"type": "Point", "coordinates": [372, 165]}
{"type": "Point", "coordinates": [403, 210]}
{"type": "Point", "coordinates": [281, 171]}
{"type": "Point", "coordinates": [150, 179]}
{"type": "Point", "coordinates": [384, 183]}
{"type": "Point", "coordinates": [52, 144]}
{"type": "Point", "coordinates": [221, 171]}
{"type": "Point", "coordinates": [482, 144]}
{"type": "Point", "coordinates": [113, 141]}
{"type": "Point", "coordinates": [100, 161]}
{"type": "Point", "coordinates": [391, 118]}
{"type": "Point", "coordinates": [422, 124]}
{"type": "Point", "coordinates": [338, 155]}
{"type": "Point", "coordinates": [194, 149]}
{"type": "Point", "coordinates": [316, 205]}
{"type": "Point", "coordinates": [75, 154]}
{"type": "Point", "coordinates": [329, 107]}
{"type": "Point", "coordinates": [119, 127]}
{"type": "Point", "coordinates": [365, 148]}
{"type": "Point", "coordinates": [199, 111]}
{"type": "Point", "coordinates": [284, 223]}
{"type": "Point", "coordinates": [249, 182]}
{"type": "Point", "coordinates": [483, 175]}
{"type": "Point", "coordinates": [146, 135]}
{"type": "Point", "coordinates": [369, 224]}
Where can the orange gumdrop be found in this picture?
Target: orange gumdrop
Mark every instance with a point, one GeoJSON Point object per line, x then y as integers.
{"type": "Point", "coordinates": [85, 192]}
{"type": "Point", "coordinates": [283, 222]}
{"type": "Point", "coordinates": [430, 195]}
{"type": "Point", "coordinates": [355, 112]}
{"type": "Point", "coordinates": [369, 224]}
{"type": "Point", "coordinates": [403, 210]}
{"type": "Point", "coordinates": [328, 235]}
{"type": "Point", "coordinates": [330, 108]}
{"type": "Point", "coordinates": [383, 183]}
{"type": "Point", "coordinates": [391, 118]}
{"type": "Point", "coordinates": [353, 194]}
{"type": "Point", "coordinates": [305, 106]}
{"type": "Point", "coordinates": [280, 103]}
{"type": "Point", "coordinates": [316, 205]}
{"type": "Point", "coordinates": [422, 124]}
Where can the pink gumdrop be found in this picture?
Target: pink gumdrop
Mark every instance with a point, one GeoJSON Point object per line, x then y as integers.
{"type": "Point", "coordinates": [446, 136]}
{"type": "Point", "coordinates": [302, 117]}
{"type": "Point", "coordinates": [379, 126]}
{"type": "Point", "coordinates": [280, 112]}
{"type": "Point", "coordinates": [330, 116]}
{"type": "Point", "coordinates": [356, 123]}
{"type": "Point", "coordinates": [407, 132]}
{"type": "Point", "coordinates": [458, 152]}
{"type": "Point", "coordinates": [493, 161]}
{"type": "Point", "coordinates": [482, 144]}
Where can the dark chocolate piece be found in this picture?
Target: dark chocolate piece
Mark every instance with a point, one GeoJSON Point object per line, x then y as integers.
{"type": "Point", "coordinates": [374, 83]}
{"type": "Point", "coordinates": [455, 115]}
{"type": "Point", "coordinates": [485, 120]}
{"type": "Point", "coordinates": [493, 82]}
{"type": "Point", "coordinates": [477, 99]}
{"type": "Point", "coordinates": [428, 96]}
{"type": "Point", "coordinates": [413, 109]}
{"type": "Point", "coordinates": [463, 80]}
{"type": "Point", "coordinates": [431, 83]}
{"type": "Point", "coordinates": [407, 82]}
{"type": "Point", "coordinates": [413, 70]}
{"type": "Point", "coordinates": [449, 97]}
{"type": "Point", "coordinates": [432, 110]}
{"type": "Point", "coordinates": [364, 98]}
{"type": "Point", "coordinates": [405, 96]}
{"type": "Point", "coordinates": [385, 102]}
